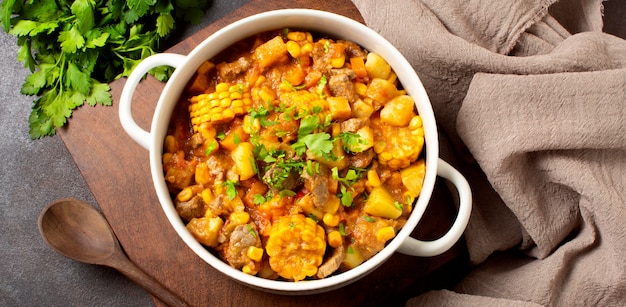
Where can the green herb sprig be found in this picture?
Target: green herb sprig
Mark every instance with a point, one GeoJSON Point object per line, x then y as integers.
{"type": "Point", "coordinates": [75, 48]}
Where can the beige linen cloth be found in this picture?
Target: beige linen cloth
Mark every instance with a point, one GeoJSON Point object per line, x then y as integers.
{"type": "Point", "coordinates": [530, 97]}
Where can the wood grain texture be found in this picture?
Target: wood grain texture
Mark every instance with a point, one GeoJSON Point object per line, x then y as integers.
{"type": "Point", "coordinates": [118, 174]}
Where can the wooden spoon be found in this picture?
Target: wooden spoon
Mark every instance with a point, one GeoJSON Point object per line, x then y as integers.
{"type": "Point", "coordinates": [77, 230]}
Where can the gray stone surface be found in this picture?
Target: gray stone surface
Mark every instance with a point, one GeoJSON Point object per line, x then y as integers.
{"type": "Point", "coordinates": [34, 173]}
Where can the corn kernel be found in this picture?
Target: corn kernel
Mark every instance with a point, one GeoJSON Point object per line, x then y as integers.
{"type": "Point", "coordinates": [208, 132]}
{"type": "Point", "coordinates": [202, 173]}
{"type": "Point", "coordinates": [335, 239]}
{"type": "Point", "coordinates": [415, 123]}
{"type": "Point", "coordinates": [372, 178]}
{"type": "Point", "coordinates": [293, 48]}
{"type": "Point", "coordinates": [331, 220]}
{"type": "Point", "coordinates": [221, 87]}
{"type": "Point", "coordinates": [385, 156]}
{"type": "Point", "coordinates": [170, 144]}
{"type": "Point", "coordinates": [338, 62]}
{"type": "Point", "coordinates": [237, 88]}
{"type": "Point", "coordinates": [223, 95]}
{"type": "Point", "coordinates": [384, 234]}
{"type": "Point", "coordinates": [167, 157]}
{"type": "Point", "coordinates": [207, 195]}
{"type": "Point", "coordinates": [255, 253]}
{"type": "Point", "coordinates": [360, 88]}
{"type": "Point", "coordinates": [333, 202]}
{"type": "Point", "coordinates": [296, 36]}
{"type": "Point", "coordinates": [266, 94]}
{"type": "Point", "coordinates": [185, 195]}
{"type": "Point", "coordinates": [260, 81]}
{"type": "Point", "coordinates": [239, 218]}
{"type": "Point", "coordinates": [246, 269]}
{"type": "Point", "coordinates": [236, 95]}
{"type": "Point", "coordinates": [306, 48]}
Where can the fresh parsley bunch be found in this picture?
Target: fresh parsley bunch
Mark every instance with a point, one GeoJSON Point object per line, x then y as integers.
{"type": "Point", "coordinates": [75, 48]}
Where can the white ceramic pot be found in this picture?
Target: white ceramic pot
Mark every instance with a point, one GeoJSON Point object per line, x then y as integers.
{"type": "Point", "coordinates": [339, 27]}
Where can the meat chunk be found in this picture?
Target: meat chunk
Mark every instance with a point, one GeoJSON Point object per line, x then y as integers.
{"type": "Point", "coordinates": [340, 83]}
{"type": "Point", "coordinates": [317, 184]}
{"type": "Point", "coordinates": [216, 166]}
{"type": "Point", "coordinates": [195, 207]}
{"type": "Point", "coordinates": [230, 71]}
{"type": "Point", "coordinates": [282, 179]}
{"type": "Point", "coordinates": [354, 124]}
{"type": "Point", "coordinates": [332, 263]}
{"type": "Point", "coordinates": [241, 239]}
{"type": "Point", "coordinates": [362, 159]}
{"type": "Point", "coordinates": [353, 50]}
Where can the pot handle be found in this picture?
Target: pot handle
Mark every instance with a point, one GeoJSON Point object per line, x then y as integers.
{"type": "Point", "coordinates": [140, 136]}
{"type": "Point", "coordinates": [414, 247]}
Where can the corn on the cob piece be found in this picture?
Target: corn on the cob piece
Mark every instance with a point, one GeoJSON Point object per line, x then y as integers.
{"type": "Point", "coordinates": [220, 106]}
{"type": "Point", "coordinates": [296, 247]}
{"type": "Point", "coordinates": [308, 102]}
{"type": "Point", "coordinates": [398, 147]}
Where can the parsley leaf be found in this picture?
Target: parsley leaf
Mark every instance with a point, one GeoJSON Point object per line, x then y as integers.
{"type": "Point", "coordinates": [319, 144]}
{"type": "Point", "coordinates": [308, 125]}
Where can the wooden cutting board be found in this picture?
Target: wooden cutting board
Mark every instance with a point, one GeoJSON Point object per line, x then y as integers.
{"type": "Point", "coordinates": [118, 174]}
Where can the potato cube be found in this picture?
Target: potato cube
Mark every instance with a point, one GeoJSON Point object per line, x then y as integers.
{"type": "Point", "coordinates": [244, 160]}
{"type": "Point", "coordinates": [381, 90]}
{"type": "Point", "coordinates": [398, 111]}
{"type": "Point", "coordinates": [206, 230]}
{"type": "Point", "coordinates": [271, 52]}
{"type": "Point", "coordinates": [381, 204]}
{"type": "Point", "coordinates": [339, 107]}
{"type": "Point", "coordinates": [364, 141]}
{"type": "Point", "coordinates": [377, 67]}
{"type": "Point", "coordinates": [353, 258]}
{"type": "Point", "coordinates": [362, 109]}
{"type": "Point", "coordinates": [413, 177]}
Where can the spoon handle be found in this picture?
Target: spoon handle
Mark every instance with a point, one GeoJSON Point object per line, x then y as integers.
{"type": "Point", "coordinates": [134, 273]}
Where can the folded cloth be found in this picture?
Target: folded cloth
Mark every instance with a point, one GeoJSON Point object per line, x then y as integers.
{"type": "Point", "coordinates": [530, 98]}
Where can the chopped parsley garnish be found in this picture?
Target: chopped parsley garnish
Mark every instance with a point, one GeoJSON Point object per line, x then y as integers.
{"type": "Point", "coordinates": [231, 189]}
{"type": "Point", "coordinates": [342, 229]}
{"type": "Point", "coordinates": [210, 148]}
{"type": "Point", "coordinates": [350, 140]}
{"type": "Point", "coordinates": [293, 87]}
{"type": "Point", "coordinates": [345, 196]}
{"type": "Point", "coordinates": [259, 199]}
{"type": "Point", "coordinates": [398, 205]}
{"type": "Point", "coordinates": [262, 113]}
{"type": "Point", "coordinates": [308, 125]}
{"type": "Point", "coordinates": [320, 86]}
{"type": "Point", "coordinates": [251, 230]}
{"type": "Point", "coordinates": [345, 183]}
